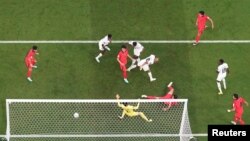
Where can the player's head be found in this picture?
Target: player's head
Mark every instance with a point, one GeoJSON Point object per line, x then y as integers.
{"type": "Point", "coordinates": [34, 47]}
{"type": "Point", "coordinates": [221, 61]}
{"type": "Point", "coordinates": [134, 44]}
{"type": "Point", "coordinates": [201, 12]}
{"type": "Point", "coordinates": [235, 96]}
{"type": "Point", "coordinates": [156, 59]}
{"type": "Point", "coordinates": [175, 96]}
{"type": "Point", "coordinates": [125, 103]}
{"type": "Point", "coordinates": [124, 47]}
{"type": "Point", "coordinates": [109, 36]}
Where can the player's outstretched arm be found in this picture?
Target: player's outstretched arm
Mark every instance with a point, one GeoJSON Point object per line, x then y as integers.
{"type": "Point", "coordinates": [130, 57]}
{"type": "Point", "coordinates": [137, 105]}
{"type": "Point", "coordinates": [212, 22]}
{"type": "Point", "coordinates": [231, 110]}
{"type": "Point", "coordinates": [246, 103]}
{"type": "Point", "coordinates": [118, 100]}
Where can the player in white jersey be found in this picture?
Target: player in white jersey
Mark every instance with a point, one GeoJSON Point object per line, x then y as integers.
{"type": "Point", "coordinates": [222, 71]}
{"type": "Point", "coordinates": [138, 48]}
{"type": "Point", "coordinates": [103, 46]}
{"type": "Point", "coordinates": [144, 64]}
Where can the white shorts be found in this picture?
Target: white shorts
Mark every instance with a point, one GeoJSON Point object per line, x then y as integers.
{"type": "Point", "coordinates": [137, 53]}
{"type": "Point", "coordinates": [101, 48]}
{"type": "Point", "coordinates": [146, 67]}
{"type": "Point", "coordinates": [221, 77]}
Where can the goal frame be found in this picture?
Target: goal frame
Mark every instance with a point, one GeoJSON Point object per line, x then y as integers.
{"type": "Point", "coordinates": [180, 135]}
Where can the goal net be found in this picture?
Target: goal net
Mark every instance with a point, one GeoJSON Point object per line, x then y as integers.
{"type": "Point", "coordinates": [53, 120]}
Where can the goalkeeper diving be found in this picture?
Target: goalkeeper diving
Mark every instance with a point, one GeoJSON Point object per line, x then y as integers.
{"type": "Point", "coordinates": [129, 110]}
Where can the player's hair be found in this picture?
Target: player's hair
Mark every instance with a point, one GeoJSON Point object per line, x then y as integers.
{"type": "Point", "coordinates": [109, 36]}
{"type": "Point", "coordinates": [236, 96]}
{"type": "Point", "coordinates": [125, 103]}
{"type": "Point", "coordinates": [134, 43]}
{"type": "Point", "coordinates": [175, 96]}
{"type": "Point", "coordinates": [202, 12]}
{"type": "Point", "coordinates": [34, 47]}
{"type": "Point", "coordinates": [124, 46]}
{"type": "Point", "coordinates": [221, 61]}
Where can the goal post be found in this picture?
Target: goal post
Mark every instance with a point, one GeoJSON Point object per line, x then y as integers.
{"type": "Point", "coordinates": [53, 119]}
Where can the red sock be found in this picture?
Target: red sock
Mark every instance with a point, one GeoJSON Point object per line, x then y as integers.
{"type": "Point", "coordinates": [197, 38]}
{"type": "Point", "coordinates": [29, 72]}
{"type": "Point", "coordinates": [124, 73]}
{"type": "Point", "coordinates": [242, 122]}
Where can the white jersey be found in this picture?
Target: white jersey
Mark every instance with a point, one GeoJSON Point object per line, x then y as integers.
{"type": "Point", "coordinates": [104, 41]}
{"type": "Point", "coordinates": [137, 49]}
{"type": "Point", "coordinates": [150, 60]}
{"type": "Point", "coordinates": [222, 69]}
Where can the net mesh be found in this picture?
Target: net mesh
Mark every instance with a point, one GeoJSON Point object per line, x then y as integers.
{"type": "Point", "coordinates": [27, 118]}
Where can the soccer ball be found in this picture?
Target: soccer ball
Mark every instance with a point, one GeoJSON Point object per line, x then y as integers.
{"type": "Point", "coordinates": [76, 115]}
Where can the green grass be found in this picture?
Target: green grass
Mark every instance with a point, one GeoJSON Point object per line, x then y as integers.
{"type": "Point", "coordinates": [68, 71]}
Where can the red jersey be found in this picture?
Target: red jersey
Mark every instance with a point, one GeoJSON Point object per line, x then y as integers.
{"type": "Point", "coordinates": [122, 56]}
{"type": "Point", "coordinates": [168, 96]}
{"type": "Point", "coordinates": [202, 19]}
{"type": "Point", "coordinates": [30, 54]}
{"type": "Point", "coordinates": [238, 105]}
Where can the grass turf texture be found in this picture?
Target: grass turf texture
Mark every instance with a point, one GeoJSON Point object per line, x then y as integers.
{"type": "Point", "coordinates": [69, 71]}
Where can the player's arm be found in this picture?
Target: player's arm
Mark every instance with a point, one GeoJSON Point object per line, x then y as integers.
{"type": "Point", "coordinates": [169, 106]}
{"type": "Point", "coordinates": [137, 106]}
{"type": "Point", "coordinates": [227, 70]}
{"type": "Point", "coordinates": [245, 102]}
{"type": "Point", "coordinates": [118, 101]}
{"type": "Point", "coordinates": [196, 23]}
{"type": "Point", "coordinates": [130, 57]}
{"type": "Point", "coordinates": [231, 110]}
{"type": "Point", "coordinates": [119, 61]}
{"type": "Point", "coordinates": [211, 21]}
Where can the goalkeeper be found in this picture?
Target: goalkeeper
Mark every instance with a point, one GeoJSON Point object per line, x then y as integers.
{"type": "Point", "coordinates": [129, 110]}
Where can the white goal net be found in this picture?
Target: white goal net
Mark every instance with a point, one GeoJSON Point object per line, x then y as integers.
{"type": "Point", "coordinates": [53, 120]}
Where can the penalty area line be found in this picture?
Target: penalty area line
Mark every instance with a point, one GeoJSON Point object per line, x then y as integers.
{"type": "Point", "coordinates": [118, 41]}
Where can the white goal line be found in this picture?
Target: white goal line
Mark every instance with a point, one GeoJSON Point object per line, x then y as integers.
{"type": "Point", "coordinates": [117, 41]}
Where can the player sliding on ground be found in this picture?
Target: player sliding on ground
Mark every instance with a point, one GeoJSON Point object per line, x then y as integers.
{"type": "Point", "coordinates": [129, 110]}
{"type": "Point", "coordinates": [169, 95]}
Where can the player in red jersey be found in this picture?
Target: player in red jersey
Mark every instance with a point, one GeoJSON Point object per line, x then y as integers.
{"type": "Point", "coordinates": [122, 59]}
{"type": "Point", "coordinates": [201, 25]}
{"type": "Point", "coordinates": [238, 109]}
{"type": "Point", "coordinates": [169, 95]}
{"type": "Point", "coordinates": [30, 61]}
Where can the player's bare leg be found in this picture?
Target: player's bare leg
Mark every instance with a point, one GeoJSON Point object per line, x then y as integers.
{"type": "Point", "coordinates": [197, 39]}
{"type": "Point", "coordinates": [29, 74]}
{"type": "Point", "coordinates": [219, 88]}
{"type": "Point", "coordinates": [144, 117]}
{"type": "Point", "coordinates": [97, 58]}
{"type": "Point", "coordinates": [123, 114]}
{"type": "Point", "coordinates": [134, 63]}
{"type": "Point", "coordinates": [224, 83]}
{"type": "Point", "coordinates": [150, 76]}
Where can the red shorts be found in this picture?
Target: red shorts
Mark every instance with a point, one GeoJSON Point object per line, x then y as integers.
{"type": "Point", "coordinates": [123, 68]}
{"type": "Point", "coordinates": [29, 63]}
{"type": "Point", "coordinates": [238, 115]}
{"type": "Point", "coordinates": [200, 30]}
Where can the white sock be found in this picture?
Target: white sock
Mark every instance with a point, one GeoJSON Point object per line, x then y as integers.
{"type": "Point", "coordinates": [99, 56]}
{"type": "Point", "coordinates": [132, 65]}
{"type": "Point", "coordinates": [138, 60]}
{"type": "Point", "coordinates": [150, 75]}
{"type": "Point", "coordinates": [219, 87]}
{"type": "Point", "coordinates": [224, 83]}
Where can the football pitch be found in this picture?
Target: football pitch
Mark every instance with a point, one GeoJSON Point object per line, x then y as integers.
{"type": "Point", "coordinates": [69, 71]}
